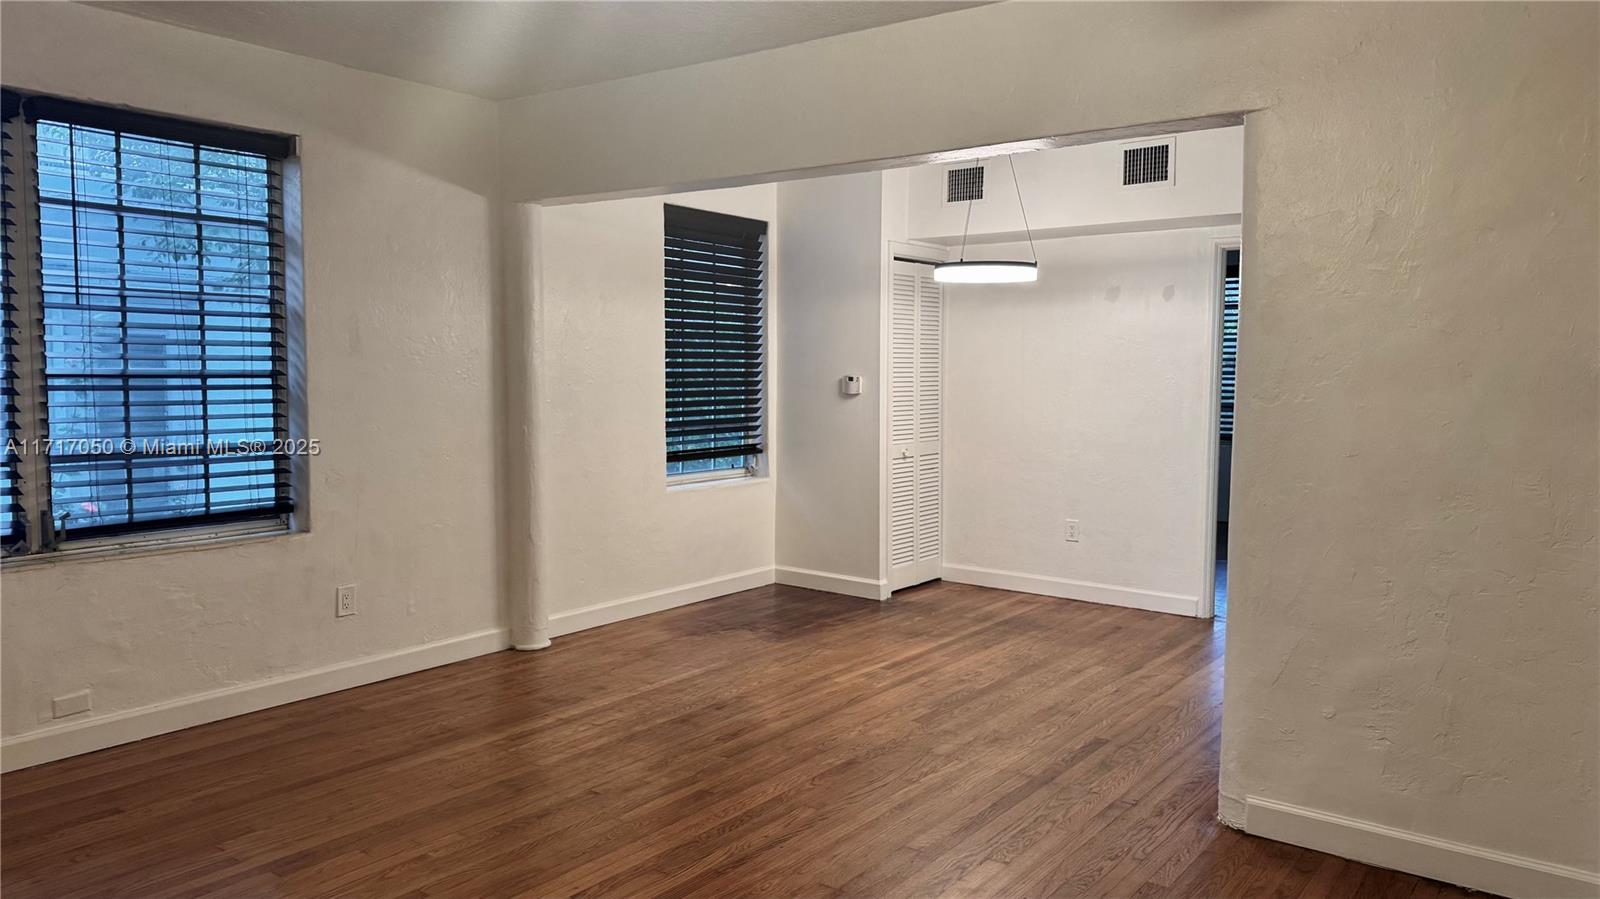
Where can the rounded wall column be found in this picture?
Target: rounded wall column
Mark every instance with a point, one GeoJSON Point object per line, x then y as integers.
{"type": "Point", "coordinates": [529, 611]}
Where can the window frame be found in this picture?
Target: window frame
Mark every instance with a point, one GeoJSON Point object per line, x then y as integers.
{"type": "Point", "coordinates": [38, 543]}
{"type": "Point", "coordinates": [755, 466]}
{"type": "Point", "coordinates": [717, 475]}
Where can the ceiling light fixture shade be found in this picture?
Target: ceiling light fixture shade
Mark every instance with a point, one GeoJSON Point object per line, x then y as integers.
{"type": "Point", "coordinates": [986, 272]}
{"type": "Point", "coordinates": [991, 271]}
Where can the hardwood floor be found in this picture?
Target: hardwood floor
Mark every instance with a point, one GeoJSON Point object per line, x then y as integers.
{"type": "Point", "coordinates": [955, 741]}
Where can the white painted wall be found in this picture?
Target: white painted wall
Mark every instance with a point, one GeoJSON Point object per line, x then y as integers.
{"type": "Point", "coordinates": [1079, 190]}
{"type": "Point", "coordinates": [1086, 395]}
{"type": "Point", "coordinates": [398, 188]}
{"type": "Point", "coordinates": [1413, 596]}
{"type": "Point", "coordinates": [613, 530]}
{"type": "Point", "coordinates": [830, 275]}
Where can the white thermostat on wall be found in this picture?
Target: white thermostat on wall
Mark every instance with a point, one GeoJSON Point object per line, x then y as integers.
{"type": "Point", "coordinates": [850, 385]}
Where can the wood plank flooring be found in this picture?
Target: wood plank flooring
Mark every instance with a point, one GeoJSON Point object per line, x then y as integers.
{"type": "Point", "coordinates": [956, 741]}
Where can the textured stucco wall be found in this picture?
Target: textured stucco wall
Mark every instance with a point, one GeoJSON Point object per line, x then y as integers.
{"type": "Point", "coordinates": [1415, 634]}
{"type": "Point", "coordinates": [398, 184]}
{"type": "Point", "coordinates": [1074, 190]}
{"type": "Point", "coordinates": [611, 527]}
{"type": "Point", "coordinates": [1413, 625]}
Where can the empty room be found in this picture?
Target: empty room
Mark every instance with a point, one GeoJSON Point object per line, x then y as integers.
{"type": "Point", "coordinates": [811, 448]}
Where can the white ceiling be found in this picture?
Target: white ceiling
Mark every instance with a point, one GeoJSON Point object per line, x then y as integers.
{"type": "Point", "coordinates": [510, 49]}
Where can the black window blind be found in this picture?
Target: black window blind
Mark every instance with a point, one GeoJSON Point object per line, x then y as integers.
{"type": "Point", "coordinates": [1230, 343]}
{"type": "Point", "coordinates": [161, 310]}
{"type": "Point", "coordinates": [715, 331]}
{"type": "Point", "coordinates": [12, 517]}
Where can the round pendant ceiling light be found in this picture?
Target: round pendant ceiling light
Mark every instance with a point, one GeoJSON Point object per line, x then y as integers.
{"type": "Point", "coordinates": [991, 271]}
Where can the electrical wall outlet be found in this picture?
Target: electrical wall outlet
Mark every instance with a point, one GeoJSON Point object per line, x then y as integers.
{"type": "Point", "coordinates": [70, 704]}
{"type": "Point", "coordinates": [1072, 530]}
{"type": "Point", "coordinates": [346, 601]}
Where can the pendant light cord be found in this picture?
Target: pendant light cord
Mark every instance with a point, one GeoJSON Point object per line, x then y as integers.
{"type": "Point", "coordinates": [1018, 187]}
{"type": "Point", "coordinates": [968, 224]}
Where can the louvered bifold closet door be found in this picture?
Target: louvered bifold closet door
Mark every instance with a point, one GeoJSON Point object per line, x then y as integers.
{"type": "Point", "coordinates": [715, 336]}
{"type": "Point", "coordinates": [916, 425]}
{"type": "Point", "coordinates": [165, 354]}
{"type": "Point", "coordinates": [902, 524]}
{"type": "Point", "coordinates": [13, 518]}
{"type": "Point", "coordinates": [930, 422]}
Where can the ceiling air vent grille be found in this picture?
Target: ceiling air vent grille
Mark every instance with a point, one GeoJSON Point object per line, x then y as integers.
{"type": "Point", "coordinates": [1150, 164]}
{"type": "Point", "coordinates": [963, 185]}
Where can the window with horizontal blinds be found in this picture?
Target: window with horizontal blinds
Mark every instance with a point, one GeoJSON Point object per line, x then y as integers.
{"type": "Point", "coordinates": [716, 340]}
{"type": "Point", "coordinates": [1230, 343]}
{"type": "Point", "coordinates": [160, 307]}
{"type": "Point", "coordinates": [12, 517]}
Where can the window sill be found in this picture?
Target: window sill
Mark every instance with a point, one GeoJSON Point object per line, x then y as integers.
{"type": "Point", "coordinates": [720, 479]}
{"type": "Point", "coordinates": [109, 548]}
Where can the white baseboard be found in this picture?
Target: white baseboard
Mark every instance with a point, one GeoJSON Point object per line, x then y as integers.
{"type": "Point", "coordinates": [828, 582]}
{"type": "Point", "coordinates": [1149, 600]}
{"type": "Point", "coordinates": [1402, 850]}
{"type": "Point", "coordinates": [563, 623]}
{"type": "Point", "coordinates": [113, 729]}
{"type": "Point", "coordinates": [103, 731]}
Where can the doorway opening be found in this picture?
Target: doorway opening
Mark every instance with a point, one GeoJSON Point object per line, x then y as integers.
{"type": "Point", "coordinates": [1228, 288]}
{"type": "Point", "coordinates": [1055, 436]}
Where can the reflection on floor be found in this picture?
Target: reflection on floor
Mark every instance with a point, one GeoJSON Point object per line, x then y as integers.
{"type": "Point", "coordinates": [1220, 604]}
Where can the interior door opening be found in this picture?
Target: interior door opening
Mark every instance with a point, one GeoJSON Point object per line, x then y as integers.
{"type": "Point", "coordinates": [1229, 288]}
